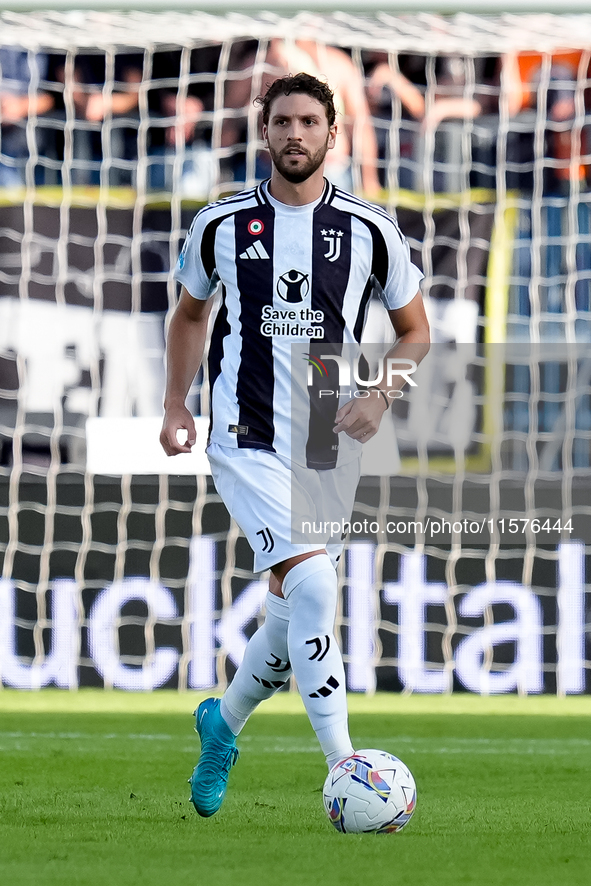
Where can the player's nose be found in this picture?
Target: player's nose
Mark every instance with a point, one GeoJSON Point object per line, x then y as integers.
{"type": "Point", "coordinates": [295, 131]}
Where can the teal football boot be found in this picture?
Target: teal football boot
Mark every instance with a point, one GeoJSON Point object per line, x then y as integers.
{"type": "Point", "coordinates": [218, 754]}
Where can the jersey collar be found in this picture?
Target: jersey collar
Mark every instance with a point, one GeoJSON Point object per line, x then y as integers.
{"type": "Point", "coordinates": [327, 194]}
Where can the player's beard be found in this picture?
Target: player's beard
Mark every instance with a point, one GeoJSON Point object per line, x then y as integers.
{"type": "Point", "coordinates": [296, 176]}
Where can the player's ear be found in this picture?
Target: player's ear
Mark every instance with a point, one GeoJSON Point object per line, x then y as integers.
{"type": "Point", "coordinates": [332, 135]}
{"type": "Point", "coordinates": [265, 131]}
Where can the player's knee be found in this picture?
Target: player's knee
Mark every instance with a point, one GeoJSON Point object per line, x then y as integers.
{"type": "Point", "coordinates": [311, 587]}
{"type": "Point", "coordinates": [304, 574]}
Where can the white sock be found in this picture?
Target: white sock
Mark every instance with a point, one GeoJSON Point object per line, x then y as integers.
{"type": "Point", "coordinates": [264, 669]}
{"type": "Point", "coordinates": [331, 737]}
{"type": "Point", "coordinates": [311, 592]}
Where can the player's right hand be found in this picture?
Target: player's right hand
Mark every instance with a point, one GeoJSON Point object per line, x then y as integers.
{"type": "Point", "coordinates": [175, 420]}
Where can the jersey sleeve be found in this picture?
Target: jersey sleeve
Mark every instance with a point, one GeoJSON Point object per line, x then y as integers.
{"type": "Point", "coordinates": [397, 281]}
{"type": "Point", "coordinates": [195, 268]}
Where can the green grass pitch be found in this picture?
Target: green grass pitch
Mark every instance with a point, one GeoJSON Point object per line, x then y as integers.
{"type": "Point", "coordinates": [93, 792]}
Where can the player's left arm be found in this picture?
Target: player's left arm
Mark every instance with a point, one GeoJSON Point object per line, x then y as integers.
{"type": "Point", "coordinates": [360, 418]}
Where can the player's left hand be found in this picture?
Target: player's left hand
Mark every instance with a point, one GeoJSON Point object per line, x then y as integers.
{"type": "Point", "coordinates": [360, 418]}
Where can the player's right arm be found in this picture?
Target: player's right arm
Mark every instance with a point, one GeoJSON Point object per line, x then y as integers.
{"type": "Point", "coordinates": [186, 338]}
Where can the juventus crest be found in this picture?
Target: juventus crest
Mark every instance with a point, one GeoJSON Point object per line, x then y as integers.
{"type": "Point", "coordinates": [333, 238]}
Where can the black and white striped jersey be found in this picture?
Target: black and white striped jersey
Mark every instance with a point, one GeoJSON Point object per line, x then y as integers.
{"type": "Point", "coordinates": [288, 274]}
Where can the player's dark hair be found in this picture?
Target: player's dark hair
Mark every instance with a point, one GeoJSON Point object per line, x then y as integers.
{"type": "Point", "coordinates": [305, 83]}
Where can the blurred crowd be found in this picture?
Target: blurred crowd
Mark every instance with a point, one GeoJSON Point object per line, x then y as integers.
{"type": "Point", "coordinates": [184, 120]}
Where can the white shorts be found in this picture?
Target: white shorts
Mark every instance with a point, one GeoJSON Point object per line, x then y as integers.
{"type": "Point", "coordinates": [269, 498]}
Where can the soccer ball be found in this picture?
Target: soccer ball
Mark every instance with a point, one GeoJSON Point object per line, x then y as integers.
{"type": "Point", "coordinates": [370, 791]}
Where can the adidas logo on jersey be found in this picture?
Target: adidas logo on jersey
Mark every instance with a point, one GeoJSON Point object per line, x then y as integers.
{"type": "Point", "coordinates": [257, 250]}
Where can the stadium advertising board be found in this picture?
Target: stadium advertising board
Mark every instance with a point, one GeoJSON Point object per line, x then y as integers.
{"type": "Point", "coordinates": [414, 633]}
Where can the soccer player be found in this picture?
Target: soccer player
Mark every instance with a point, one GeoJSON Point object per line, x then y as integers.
{"type": "Point", "coordinates": [300, 247]}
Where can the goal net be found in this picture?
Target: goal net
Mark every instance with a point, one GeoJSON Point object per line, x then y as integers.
{"type": "Point", "coordinates": [466, 570]}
